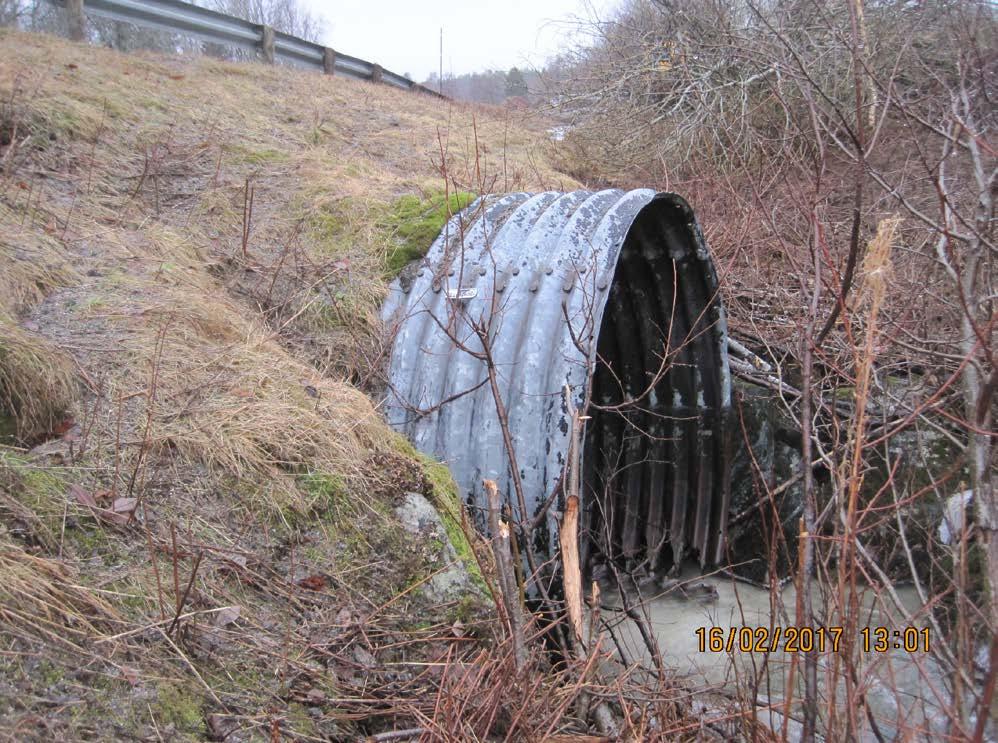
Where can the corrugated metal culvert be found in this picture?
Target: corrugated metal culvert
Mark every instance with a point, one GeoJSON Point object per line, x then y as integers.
{"type": "Point", "coordinates": [610, 293]}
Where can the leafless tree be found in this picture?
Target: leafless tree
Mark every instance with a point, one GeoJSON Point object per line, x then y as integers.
{"type": "Point", "coordinates": [288, 16]}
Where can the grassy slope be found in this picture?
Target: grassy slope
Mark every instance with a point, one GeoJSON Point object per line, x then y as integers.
{"type": "Point", "coordinates": [164, 341]}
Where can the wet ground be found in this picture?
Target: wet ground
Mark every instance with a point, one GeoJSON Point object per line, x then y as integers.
{"type": "Point", "coordinates": [906, 692]}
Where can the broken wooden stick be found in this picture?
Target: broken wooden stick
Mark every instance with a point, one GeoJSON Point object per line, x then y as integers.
{"type": "Point", "coordinates": [568, 540]}
{"type": "Point", "coordinates": [568, 537]}
{"type": "Point", "coordinates": [507, 574]}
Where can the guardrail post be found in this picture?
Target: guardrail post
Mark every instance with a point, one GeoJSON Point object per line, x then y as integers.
{"type": "Point", "coordinates": [77, 21]}
{"type": "Point", "coordinates": [267, 44]}
{"type": "Point", "coordinates": [376, 73]}
{"type": "Point", "coordinates": [329, 61]}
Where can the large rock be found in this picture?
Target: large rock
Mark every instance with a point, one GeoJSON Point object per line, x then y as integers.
{"type": "Point", "coordinates": [766, 453]}
{"type": "Point", "coordinates": [453, 582]}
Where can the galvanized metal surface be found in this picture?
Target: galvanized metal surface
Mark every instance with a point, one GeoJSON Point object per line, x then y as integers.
{"type": "Point", "coordinates": [173, 16]}
{"type": "Point", "coordinates": [592, 291]}
{"type": "Point", "coordinates": [178, 17]}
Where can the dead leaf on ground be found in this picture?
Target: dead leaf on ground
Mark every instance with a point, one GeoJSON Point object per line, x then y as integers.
{"type": "Point", "coordinates": [313, 583]}
{"type": "Point", "coordinates": [219, 726]}
{"type": "Point", "coordinates": [364, 657]}
{"type": "Point", "coordinates": [227, 616]}
{"type": "Point", "coordinates": [64, 426]}
{"type": "Point", "coordinates": [237, 560]}
{"type": "Point", "coordinates": [129, 674]}
{"type": "Point", "coordinates": [124, 505]}
{"type": "Point", "coordinates": [81, 496]}
{"type": "Point", "coordinates": [315, 696]}
{"type": "Point", "coordinates": [120, 512]}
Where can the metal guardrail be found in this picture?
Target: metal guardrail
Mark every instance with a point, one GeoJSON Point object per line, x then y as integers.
{"type": "Point", "coordinates": [175, 16]}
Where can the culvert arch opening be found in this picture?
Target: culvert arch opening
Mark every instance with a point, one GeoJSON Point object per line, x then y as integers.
{"type": "Point", "coordinates": [611, 295]}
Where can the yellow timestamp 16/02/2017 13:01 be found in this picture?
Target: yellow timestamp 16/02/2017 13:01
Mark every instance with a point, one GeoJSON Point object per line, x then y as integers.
{"type": "Point", "coordinates": [808, 639]}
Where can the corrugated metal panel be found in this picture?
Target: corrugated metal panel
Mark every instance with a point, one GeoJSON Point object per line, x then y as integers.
{"type": "Point", "coordinates": [588, 290]}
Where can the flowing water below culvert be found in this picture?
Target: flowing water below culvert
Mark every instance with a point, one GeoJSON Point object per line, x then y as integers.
{"type": "Point", "coordinates": [907, 693]}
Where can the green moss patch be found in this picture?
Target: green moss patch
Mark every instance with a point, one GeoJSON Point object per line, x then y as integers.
{"type": "Point", "coordinates": [416, 222]}
{"type": "Point", "coordinates": [325, 491]}
{"type": "Point", "coordinates": [257, 155]}
{"type": "Point", "coordinates": [178, 706]}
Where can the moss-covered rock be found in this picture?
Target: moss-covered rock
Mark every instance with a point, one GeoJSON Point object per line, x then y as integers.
{"type": "Point", "coordinates": [765, 454]}
{"type": "Point", "coordinates": [444, 496]}
{"type": "Point", "coordinates": [451, 578]}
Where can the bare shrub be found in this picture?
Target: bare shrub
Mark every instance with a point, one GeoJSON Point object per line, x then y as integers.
{"type": "Point", "coordinates": [796, 129]}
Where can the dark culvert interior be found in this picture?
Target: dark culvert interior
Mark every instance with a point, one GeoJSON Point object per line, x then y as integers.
{"type": "Point", "coordinates": [654, 459]}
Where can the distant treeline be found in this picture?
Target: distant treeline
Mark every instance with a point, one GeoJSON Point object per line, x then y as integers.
{"type": "Point", "coordinates": [491, 86]}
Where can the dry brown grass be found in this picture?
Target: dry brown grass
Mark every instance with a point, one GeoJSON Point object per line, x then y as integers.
{"type": "Point", "coordinates": [263, 413]}
{"type": "Point", "coordinates": [34, 262]}
{"type": "Point", "coordinates": [155, 156]}
{"type": "Point", "coordinates": [37, 381]}
{"type": "Point", "coordinates": [212, 372]}
{"type": "Point", "coordinates": [39, 597]}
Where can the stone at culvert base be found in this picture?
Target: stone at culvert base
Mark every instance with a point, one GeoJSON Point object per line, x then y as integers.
{"type": "Point", "coordinates": [763, 432]}
{"type": "Point", "coordinates": [927, 467]}
{"type": "Point", "coordinates": [454, 582]}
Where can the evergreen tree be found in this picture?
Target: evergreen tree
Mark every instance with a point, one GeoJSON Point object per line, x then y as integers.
{"type": "Point", "coordinates": [515, 84]}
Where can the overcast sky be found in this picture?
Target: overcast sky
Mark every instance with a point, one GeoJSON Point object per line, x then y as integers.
{"type": "Point", "coordinates": [404, 35]}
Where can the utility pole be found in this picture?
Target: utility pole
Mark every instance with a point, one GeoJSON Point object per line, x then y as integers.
{"type": "Point", "coordinates": [440, 78]}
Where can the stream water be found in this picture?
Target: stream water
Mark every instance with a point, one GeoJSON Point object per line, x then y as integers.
{"type": "Point", "coordinates": [906, 693]}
